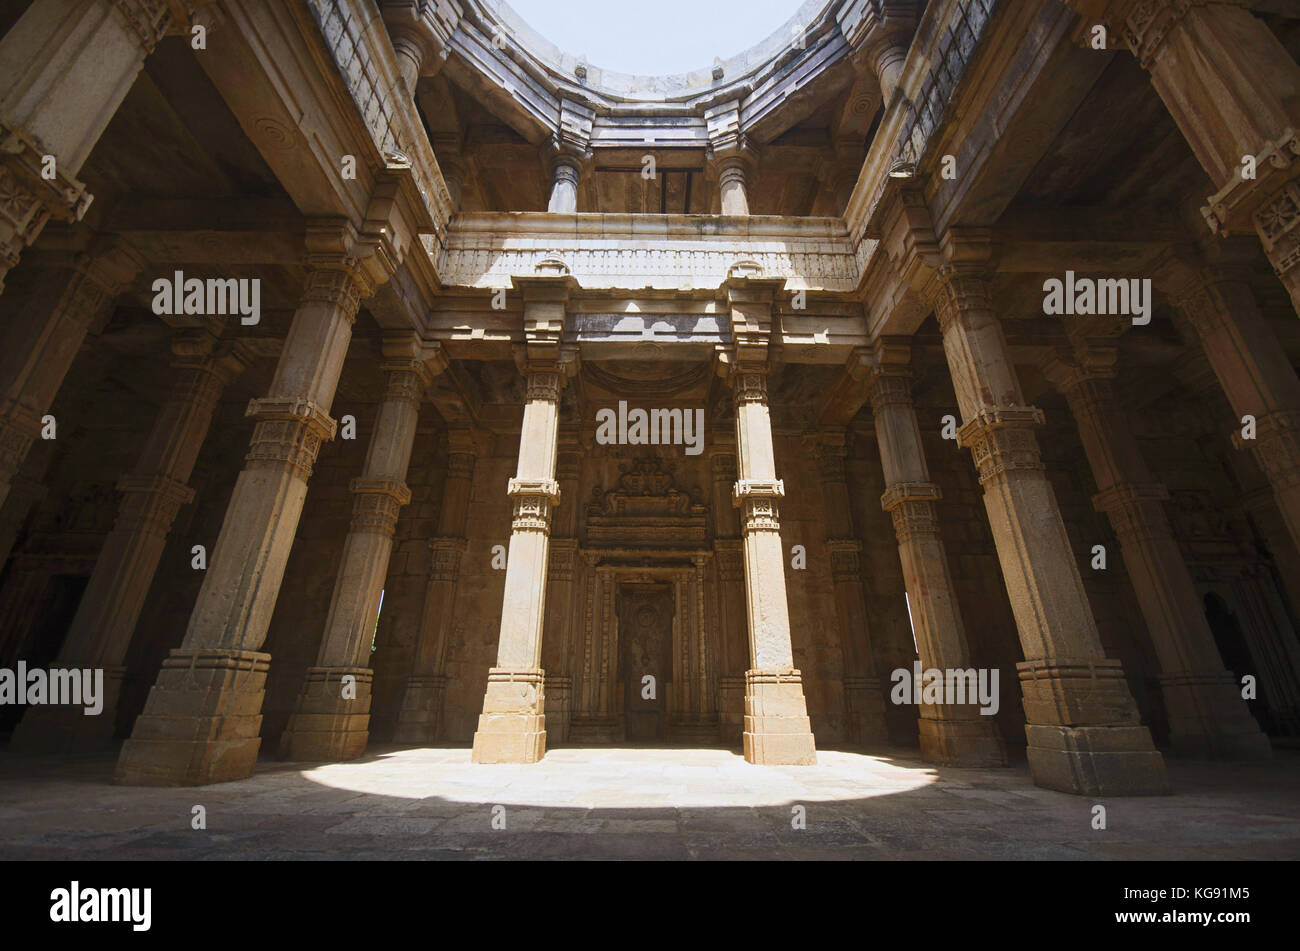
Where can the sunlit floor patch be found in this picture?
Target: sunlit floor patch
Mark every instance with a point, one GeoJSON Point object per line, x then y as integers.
{"type": "Point", "coordinates": [626, 777]}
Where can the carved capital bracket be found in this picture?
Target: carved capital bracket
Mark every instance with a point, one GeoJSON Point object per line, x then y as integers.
{"type": "Point", "coordinates": [150, 503]}
{"type": "Point", "coordinates": [446, 552]}
{"type": "Point", "coordinates": [288, 431]}
{"type": "Point", "coordinates": [535, 500]}
{"type": "Point", "coordinates": [1276, 446]}
{"type": "Point", "coordinates": [1002, 440]}
{"type": "Point", "coordinates": [376, 504]}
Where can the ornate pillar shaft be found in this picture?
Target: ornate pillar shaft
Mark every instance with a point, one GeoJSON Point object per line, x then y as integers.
{"type": "Point", "coordinates": [101, 631]}
{"type": "Point", "coordinates": [512, 727]}
{"type": "Point", "coordinates": [1206, 713]}
{"type": "Point", "coordinates": [777, 730]}
{"type": "Point", "coordinates": [202, 719]}
{"type": "Point", "coordinates": [64, 68]}
{"type": "Point", "coordinates": [1084, 732]}
{"type": "Point", "coordinates": [1256, 376]}
{"type": "Point", "coordinates": [731, 186]}
{"type": "Point", "coordinates": [330, 722]}
{"type": "Point", "coordinates": [950, 734]}
{"type": "Point", "coordinates": [43, 333]}
{"type": "Point", "coordinates": [733, 637]}
{"type": "Point", "coordinates": [420, 716]}
{"type": "Point", "coordinates": [864, 703]}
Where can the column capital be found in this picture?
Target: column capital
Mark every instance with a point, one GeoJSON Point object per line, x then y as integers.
{"type": "Point", "coordinates": [376, 504]}
{"type": "Point", "coordinates": [335, 272]}
{"type": "Point", "coordinates": [1067, 372]}
{"type": "Point", "coordinates": [1002, 440]}
{"type": "Point", "coordinates": [289, 431]}
{"type": "Point", "coordinates": [446, 552]}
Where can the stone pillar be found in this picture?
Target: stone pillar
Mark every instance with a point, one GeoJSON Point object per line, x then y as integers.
{"type": "Point", "coordinates": [1084, 732]}
{"type": "Point", "coordinates": [153, 493]}
{"type": "Point", "coordinates": [512, 727]}
{"type": "Point", "coordinates": [1256, 376]}
{"type": "Point", "coordinates": [65, 68]}
{"type": "Point", "coordinates": [1234, 91]}
{"type": "Point", "coordinates": [420, 33]}
{"type": "Point", "coordinates": [777, 729]}
{"type": "Point", "coordinates": [202, 720]}
{"type": "Point", "coordinates": [421, 713]}
{"type": "Point", "coordinates": [879, 32]}
{"type": "Point", "coordinates": [43, 333]}
{"type": "Point", "coordinates": [566, 165]}
{"type": "Point", "coordinates": [1207, 716]}
{"type": "Point", "coordinates": [332, 717]}
{"type": "Point", "coordinates": [733, 637]}
{"type": "Point", "coordinates": [950, 734]}
{"type": "Point", "coordinates": [559, 624]}
{"type": "Point", "coordinates": [864, 702]}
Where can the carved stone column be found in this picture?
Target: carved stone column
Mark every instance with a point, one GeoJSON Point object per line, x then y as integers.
{"type": "Point", "coordinates": [560, 625]}
{"type": "Point", "coordinates": [332, 722]}
{"type": "Point", "coordinates": [43, 333]}
{"type": "Point", "coordinates": [512, 727]}
{"type": "Point", "coordinates": [1233, 90]}
{"type": "Point", "coordinates": [202, 720]}
{"type": "Point", "coordinates": [100, 633]}
{"type": "Point", "coordinates": [421, 713]}
{"type": "Point", "coordinates": [879, 32]}
{"type": "Point", "coordinates": [950, 734]}
{"type": "Point", "coordinates": [1207, 716]}
{"type": "Point", "coordinates": [64, 70]}
{"type": "Point", "coordinates": [729, 557]}
{"type": "Point", "coordinates": [777, 729]}
{"type": "Point", "coordinates": [1256, 376]}
{"type": "Point", "coordinates": [1084, 732]}
{"type": "Point", "coordinates": [863, 700]}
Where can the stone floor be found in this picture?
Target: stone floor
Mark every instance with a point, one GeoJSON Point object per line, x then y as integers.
{"type": "Point", "coordinates": [401, 803]}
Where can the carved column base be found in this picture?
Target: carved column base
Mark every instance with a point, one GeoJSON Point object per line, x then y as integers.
{"type": "Point", "coordinates": [66, 729]}
{"type": "Point", "coordinates": [1084, 732]}
{"type": "Point", "coordinates": [558, 692]}
{"type": "Point", "coordinates": [201, 722]}
{"type": "Point", "coordinates": [512, 726]}
{"type": "Point", "coordinates": [972, 742]}
{"type": "Point", "coordinates": [1208, 718]}
{"type": "Point", "coordinates": [326, 725]}
{"type": "Point", "coordinates": [777, 729]}
{"type": "Point", "coordinates": [421, 713]}
{"type": "Point", "coordinates": [864, 711]}
{"type": "Point", "coordinates": [731, 709]}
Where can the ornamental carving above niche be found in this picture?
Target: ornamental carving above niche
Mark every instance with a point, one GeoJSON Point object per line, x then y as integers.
{"type": "Point", "coordinates": [646, 509]}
